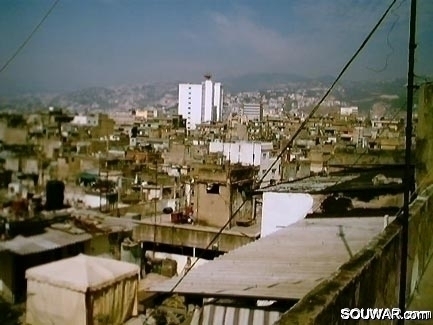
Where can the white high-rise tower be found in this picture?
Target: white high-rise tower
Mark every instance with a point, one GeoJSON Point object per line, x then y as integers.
{"type": "Point", "coordinates": [200, 103]}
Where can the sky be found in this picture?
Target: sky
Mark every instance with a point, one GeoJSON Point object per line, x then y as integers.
{"type": "Point", "coordinates": [93, 43]}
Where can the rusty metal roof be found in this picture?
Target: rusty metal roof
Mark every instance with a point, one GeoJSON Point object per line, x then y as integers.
{"type": "Point", "coordinates": [49, 240]}
{"type": "Point", "coordinates": [285, 265]}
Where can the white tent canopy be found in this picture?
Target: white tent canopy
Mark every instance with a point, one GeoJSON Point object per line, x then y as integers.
{"type": "Point", "coordinates": [82, 290]}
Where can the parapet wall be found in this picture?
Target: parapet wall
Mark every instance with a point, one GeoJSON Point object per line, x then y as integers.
{"type": "Point", "coordinates": [371, 278]}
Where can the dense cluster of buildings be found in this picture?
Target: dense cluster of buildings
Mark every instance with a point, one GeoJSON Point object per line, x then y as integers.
{"type": "Point", "coordinates": [152, 188]}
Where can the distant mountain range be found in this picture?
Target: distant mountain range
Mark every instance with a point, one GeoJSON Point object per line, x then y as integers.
{"type": "Point", "coordinates": [361, 93]}
{"type": "Point", "coordinates": [261, 81]}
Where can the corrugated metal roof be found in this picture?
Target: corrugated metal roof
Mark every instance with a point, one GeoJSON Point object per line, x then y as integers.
{"type": "Point", "coordinates": [311, 184]}
{"type": "Point", "coordinates": [227, 315]}
{"type": "Point", "coordinates": [285, 265]}
{"type": "Point", "coordinates": [50, 239]}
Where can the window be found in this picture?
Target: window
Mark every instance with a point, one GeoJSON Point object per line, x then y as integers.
{"type": "Point", "coordinates": [213, 188]}
{"type": "Point", "coordinates": [264, 155]}
{"type": "Point", "coordinates": [274, 170]}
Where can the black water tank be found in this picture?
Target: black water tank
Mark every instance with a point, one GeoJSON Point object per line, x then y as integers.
{"type": "Point", "coordinates": [55, 192]}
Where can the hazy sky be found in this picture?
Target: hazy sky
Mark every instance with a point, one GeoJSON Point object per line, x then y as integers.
{"type": "Point", "coordinates": [114, 42]}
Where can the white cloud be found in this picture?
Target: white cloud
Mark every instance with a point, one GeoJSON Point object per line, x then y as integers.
{"type": "Point", "coordinates": [241, 31]}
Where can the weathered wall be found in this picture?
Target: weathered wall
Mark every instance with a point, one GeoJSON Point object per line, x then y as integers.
{"type": "Point", "coordinates": [147, 209]}
{"type": "Point", "coordinates": [176, 154]}
{"type": "Point", "coordinates": [371, 278]}
{"type": "Point", "coordinates": [211, 209]}
{"type": "Point", "coordinates": [341, 157]}
{"type": "Point", "coordinates": [190, 236]}
{"type": "Point", "coordinates": [15, 136]}
{"type": "Point", "coordinates": [98, 245]}
{"type": "Point", "coordinates": [424, 131]}
{"type": "Point", "coordinates": [238, 199]}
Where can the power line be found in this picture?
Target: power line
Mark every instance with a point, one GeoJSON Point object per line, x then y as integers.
{"type": "Point", "coordinates": [388, 40]}
{"type": "Point", "coordinates": [208, 246]}
{"type": "Point", "coordinates": [346, 66]}
{"type": "Point", "coordinates": [27, 40]}
{"type": "Point", "coordinates": [316, 107]}
{"type": "Point", "coordinates": [341, 179]}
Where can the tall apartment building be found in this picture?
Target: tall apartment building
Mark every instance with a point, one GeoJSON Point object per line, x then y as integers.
{"type": "Point", "coordinates": [252, 111]}
{"type": "Point", "coordinates": [200, 103]}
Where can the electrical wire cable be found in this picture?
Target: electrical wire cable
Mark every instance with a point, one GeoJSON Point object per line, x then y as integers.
{"type": "Point", "coordinates": [27, 40]}
{"type": "Point", "coordinates": [297, 132]}
{"type": "Point", "coordinates": [341, 179]}
{"type": "Point", "coordinates": [317, 106]}
{"type": "Point", "coordinates": [388, 40]}
{"type": "Point", "coordinates": [208, 246]}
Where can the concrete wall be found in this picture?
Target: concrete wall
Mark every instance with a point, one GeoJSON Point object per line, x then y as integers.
{"type": "Point", "coordinates": [98, 245]}
{"type": "Point", "coordinates": [12, 163]}
{"type": "Point", "coordinates": [280, 210]}
{"type": "Point", "coordinates": [424, 151]}
{"type": "Point", "coordinates": [379, 157]}
{"type": "Point", "coordinates": [15, 136]}
{"type": "Point", "coordinates": [30, 166]}
{"type": "Point", "coordinates": [148, 208]}
{"type": "Point", "coordinates": [211, 209]}
{"type": "Point", "coordinates": [187, 235]}
{"type": "Point", "coordinates": [176, 154]}
{"type": "Point", "coordinates": [371, 278]}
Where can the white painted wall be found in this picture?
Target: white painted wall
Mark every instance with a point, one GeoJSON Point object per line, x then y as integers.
{"type": "Point", "coordinates": [280, 210]}
{"type": "Point", "coordinates": [274, 172]}
{"type": "Point", "coordinates": [218, 99]}
{"type": "Point", "coordinates": [85, 120]}
{"type": "Point", "coordinates": [348, 110]}
{"type": "Point", "coordinates": [190, 97]}
{"type": "Point", "coordinates": [249, 154]}
{"type": "Point", "coordinates": [207, 100]}
{"type": "Point", "coordinates": [194, 97]}
{"type": "Point", "coordinates": [245, 153]}
{"type": "Point", "coordinates": [89, 200]}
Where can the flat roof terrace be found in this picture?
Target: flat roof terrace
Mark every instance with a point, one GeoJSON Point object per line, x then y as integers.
{"type": "Point", "coordinates": [161, 230]}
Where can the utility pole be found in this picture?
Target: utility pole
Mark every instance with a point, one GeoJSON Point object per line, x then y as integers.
{"type": "Point", "coordinates": [408, 174]}
{"type": "Point", "coordinates": [155, 206]}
